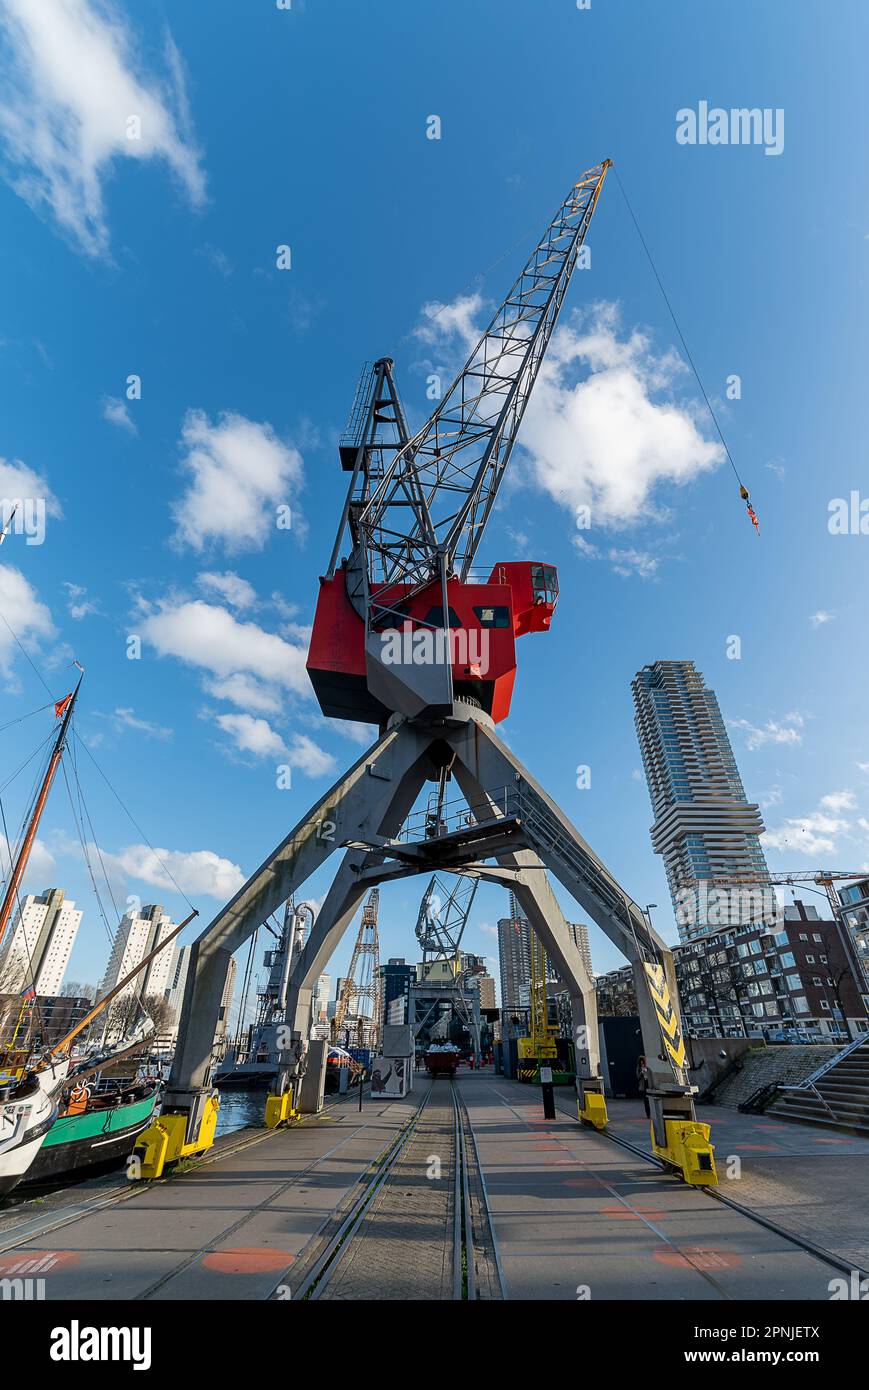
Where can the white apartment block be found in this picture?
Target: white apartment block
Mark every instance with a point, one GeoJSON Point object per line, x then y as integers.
{"type": "Point", "coordinates": [137, 935]}
{"type": "Point", "coordinates": [37, 948]}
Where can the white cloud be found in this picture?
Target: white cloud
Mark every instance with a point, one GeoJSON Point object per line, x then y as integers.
{"type": "Point", "coordinates": [73, 81]}
{"type": "Point", "coordinates": [363, 734]}
{"type": "Point", "coordinates": [18, 482]}
{"type": "Point", "coordinates": [816, 833]}
{"type": "Point", "coordinates": [603, 428]}
{"type": "Point", "coordinates": [839, 801]}
{"type": "Point", "coordinates": [240, 472]}
{"type": "Point", "coordinates": [487, 928]}
{"type": "Point", "coordinates": [252, 735]}
{"type": "Point", "coordinates": [127, 719]}
{"type": "Point", "coordinates": [257, 736]}
{"type": "Point", "coordinates": [813, 834]}
{"type": "Point", "coordinates": [237, 592]}
{"type": "Point", "coordinates": [41, 867]}
{"type": "Point", "coordinates": [78, 605]}
{"type": "Point", "coordinates": [818, 619]}
{"type": "Point", "coordinates": [28, 618]}
{"type": "Point", "coordinates": [786, 730]}
{"type": "Point", "coordinates": [864, 767]}
{"type": "Point", "coordinates": [609, 440]}
{"type": "Point", "coordinates": [246, 692]}
{"type": "Point", "coordinates": [117, 413]}
{"type": "Point", "coordinates": [206, 635]}
{"type": "Point", "coordinates": [195, 871]}
{"type": "Point", "coordinates": [456, 320]}
{"type": "Point", "coordinates": [630, 562]}
{"type": "Point", "coordinates": [309, 757]}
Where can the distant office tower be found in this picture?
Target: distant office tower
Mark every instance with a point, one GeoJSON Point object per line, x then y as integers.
{"type": "Point", "coordinates": [320, 999]}
{"type": "Point", "coordinates": [705, 828]}
{"type": "Point", "coordinates": [137, 935]}
{"type": "Point", "coordinates": [397, 977]}
{"type": "Point", "coordinates": [514, 960]}
{"type": "Point", "coordinates": [579, 935]}
{"type": "Point", "coordinates": [36, 951]}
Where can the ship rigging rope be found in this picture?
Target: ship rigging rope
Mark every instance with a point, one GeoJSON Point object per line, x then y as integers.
{"type": "Point", "coordinates": [27, 656]}
{"type": "Point", "coordinates": [36, 1004]}
{"type": "Point", "coordinates": [86, 816]}
{"type": "Point", "coordinates": [49, 738]}
{"type": "Point", "coordinates": [21, 718]}
{"type": "Point", "coordinates": [672, 313]}
{"type": "Point", "coordinates": [79, 825]}
{"type": "Point", "coordinates": [128, 813]}
{"type": "Point", "coordinates": [78, 821]}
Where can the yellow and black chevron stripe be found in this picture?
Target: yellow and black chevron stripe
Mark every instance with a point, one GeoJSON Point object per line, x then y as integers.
{"type": "Point", "coordinates": [667, 1016]}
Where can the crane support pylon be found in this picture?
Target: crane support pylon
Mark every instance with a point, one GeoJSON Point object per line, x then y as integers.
{"type": "Point", "coordinates": [407, 637]}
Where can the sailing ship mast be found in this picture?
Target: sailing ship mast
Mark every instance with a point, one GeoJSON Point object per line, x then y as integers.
{"type": "Point", "coordinates": [63, 710]}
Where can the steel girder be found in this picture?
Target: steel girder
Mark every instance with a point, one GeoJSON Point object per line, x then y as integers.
{"type": "Point", "coordinates": [364, 811]}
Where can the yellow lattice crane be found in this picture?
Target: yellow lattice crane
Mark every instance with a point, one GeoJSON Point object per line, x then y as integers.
{"type": "Point", "coordinates": [539, 1046]}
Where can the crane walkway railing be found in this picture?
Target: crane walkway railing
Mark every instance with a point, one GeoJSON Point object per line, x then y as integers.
{"type": "Point", "coordinates": [547, 836]}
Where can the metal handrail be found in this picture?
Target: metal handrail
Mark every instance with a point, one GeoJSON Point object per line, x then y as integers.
{"type": "Point", "coordinates": [861, 1041]}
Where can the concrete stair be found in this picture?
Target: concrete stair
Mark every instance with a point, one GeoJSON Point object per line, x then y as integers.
{"type": "Point", "coordinates": [837, 1097]}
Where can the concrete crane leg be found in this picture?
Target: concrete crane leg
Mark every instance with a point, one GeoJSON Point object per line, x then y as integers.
{"type": "Point", "coordinates": [510, 820]}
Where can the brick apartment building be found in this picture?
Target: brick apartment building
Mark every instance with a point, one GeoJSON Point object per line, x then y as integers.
{"type": "Point", "coordinates": [790, 982]}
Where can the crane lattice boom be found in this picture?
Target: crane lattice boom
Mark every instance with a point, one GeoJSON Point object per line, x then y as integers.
{"type": "Point", "coordinates": [432, 504]}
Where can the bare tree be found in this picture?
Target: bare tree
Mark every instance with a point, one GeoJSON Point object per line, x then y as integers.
{"type": "Point", "coordinates": [73, 990]}
{"type": "Point", "coordinates": [127, 1010]}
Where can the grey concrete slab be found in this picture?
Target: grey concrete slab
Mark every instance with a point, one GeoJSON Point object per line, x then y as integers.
{"type": "Point", "coordinates": [226, 1229]}
{"type": "Point", "coordinates": [572, 1210]}
{"type": "Point", "coordinates": [808, 1181]}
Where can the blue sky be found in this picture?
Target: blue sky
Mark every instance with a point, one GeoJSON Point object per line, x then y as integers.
{"type": "Point", "coordinates": [156, 257]}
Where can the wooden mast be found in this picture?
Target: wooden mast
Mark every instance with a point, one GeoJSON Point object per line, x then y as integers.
{"type": "Point", "coordinates": [66, 708]}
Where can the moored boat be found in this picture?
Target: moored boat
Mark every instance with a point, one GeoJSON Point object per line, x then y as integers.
{"type": "Point", "coordinates": [44, 1105]}
{"type": "Point", "coordinates": [28, 1110]}
{"type": "Point", "coordinates": [99, 1128]}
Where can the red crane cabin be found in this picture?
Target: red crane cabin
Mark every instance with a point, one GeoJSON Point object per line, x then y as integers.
{"type": "Point", "coordinates": [485, 619]}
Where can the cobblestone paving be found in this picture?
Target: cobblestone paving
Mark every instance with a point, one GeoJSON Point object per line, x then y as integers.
{"type": "Point", "coordinates": [822, 1200]}
{"type": "Point", "coordinates": [403, 1248]}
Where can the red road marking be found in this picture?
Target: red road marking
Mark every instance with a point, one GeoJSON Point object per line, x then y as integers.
{"type": "Point", "coordinates": [247, 1259]}
{"type": "Point", "coordinates": [636, 1213]}
{"type": "Point", "coordinates": [37, 1261]}
{"type": "Point", "coordinates": [759, 1148]}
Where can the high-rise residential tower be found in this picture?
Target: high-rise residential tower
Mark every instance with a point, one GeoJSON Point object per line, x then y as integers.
{"type": "Point", "coordinates": [136, 937]}
{"type": "Point", "coordinates": [514, 960]}
{"type": "Point", "coordinates": [705, 827]}
{"type": "Point", "coordinates": [36, 951]}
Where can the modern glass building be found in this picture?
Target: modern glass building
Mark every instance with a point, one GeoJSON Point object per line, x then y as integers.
{"type": "Point", "coordinates": [705, 827]}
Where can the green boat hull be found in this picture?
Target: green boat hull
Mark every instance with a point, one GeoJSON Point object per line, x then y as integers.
{"type": "Point", "coordinates": [98, 1137]}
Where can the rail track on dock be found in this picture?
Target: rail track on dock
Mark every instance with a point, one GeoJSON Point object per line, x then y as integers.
{"type": "Point", "coordinates": [827, 1257]}
{"type": "Point", "coordinates": [417, 1226]}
